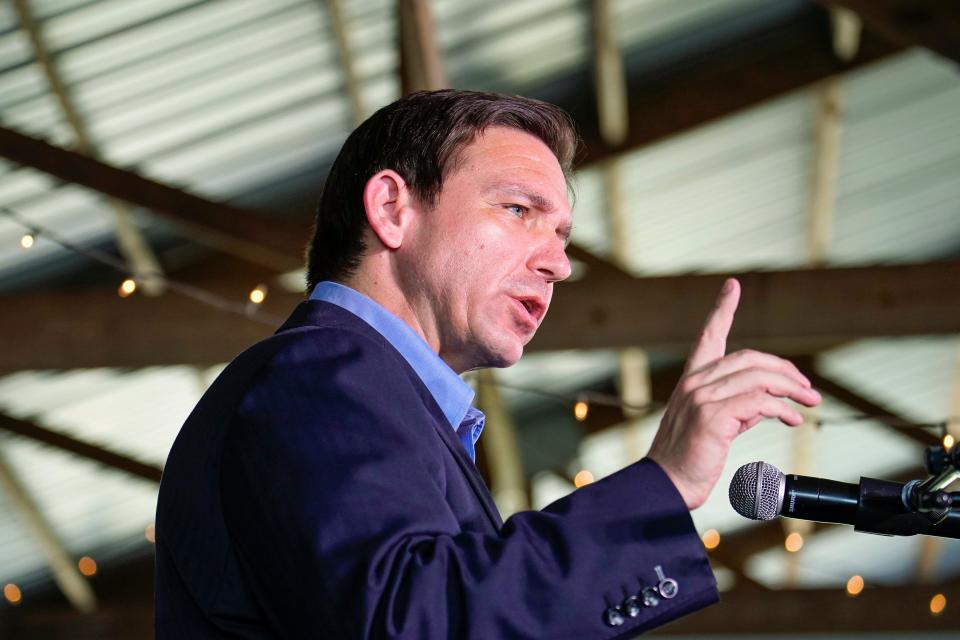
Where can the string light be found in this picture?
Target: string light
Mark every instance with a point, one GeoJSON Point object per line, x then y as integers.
{"type": "Point", "coordinates": [590, 397]}
{"type": "Point", "coordinates": [609, 400]}
{"type": "Point", "coordinates": [711, 538]}
{"type": "Point", "coordinates": [948, 442]}
{"type": "Point", "coordinates": [250, 309]}
{"type": "Point", "coordinates": [12, 593]}
{"type": "Point", "coordinates": [582, 479]}
{"type": "Point", "coordinates": [258, 294]}
{"type": "Point", "coordinates": [854, 586]}
{"type": "Point", "coordinates": [794, 542]}
{"type": "Point", "coordinates": [196, 293]}
{"type": "Point", "coordinates": [937, 604]}
{"type": "Point", "coordinates": [150, 533]}
{"type": "Point", "coordinates": [87, 566]}
{"type": "Point", "coordinates": [127, 287]}
{"type": "Point", "coordinates": [580, 410]}
{"type": "Point", "coordinates": [27, 241]}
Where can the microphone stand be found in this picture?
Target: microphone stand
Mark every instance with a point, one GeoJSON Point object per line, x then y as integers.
{"type": "Point", "coordinates": [889, 508]}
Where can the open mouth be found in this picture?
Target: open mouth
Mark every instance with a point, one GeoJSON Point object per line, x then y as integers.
{"type": "Point", "coordinates": [534, 309]}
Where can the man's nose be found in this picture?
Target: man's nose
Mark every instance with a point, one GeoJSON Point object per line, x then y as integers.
{"type": "Point", "coordinates": [552, 262]}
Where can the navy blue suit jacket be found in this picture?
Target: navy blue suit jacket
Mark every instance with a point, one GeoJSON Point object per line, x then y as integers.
{"type": "Point", "coordinates": [317, 491]}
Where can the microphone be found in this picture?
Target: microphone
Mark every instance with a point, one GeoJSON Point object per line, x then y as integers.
{"type": "Point", "coordinates": [760, 491]}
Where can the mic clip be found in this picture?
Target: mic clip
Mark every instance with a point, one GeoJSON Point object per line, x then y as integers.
{"type": "Point", "coordinates": [928, 497]}
{"type": "Point", "coordinates": [934, 504]}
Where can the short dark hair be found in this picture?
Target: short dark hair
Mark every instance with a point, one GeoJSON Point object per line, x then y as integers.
{"type": "Point", "coordinates": [420, 137]}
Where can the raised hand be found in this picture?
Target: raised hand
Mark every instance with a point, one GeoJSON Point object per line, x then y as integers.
{"type": "Point", "coordinates": [719, 397]}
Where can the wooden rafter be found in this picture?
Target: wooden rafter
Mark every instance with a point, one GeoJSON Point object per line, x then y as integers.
{"type": "Point", "coordinates": [80, 448]}
{"type": "Point", "coordinates": [249, 235]}
{"type": "Point", "coordinates": [609, 79]}
{"type": "Point", "coordinates": [825, 171]}
{"type": "Point", "coordinates": [421, 63]}
{"type": "Point", "coordinates": [241, 232]}
{"type": "Point", "coordinates": [73, 585]}
{"type": "Point", "coordinates": [822, 305]}
{"type": "Point", "coordinates": [610, 86]}
{"type": "Point", "coordinates": [933, 24]}
{"type": "Point", "coordinates": [133, 245]}
{"type": "Point", "coordinates": [799, 311]}
{"type": "Point", "coordinates": [507, 483]}
{"type": "Point", "coordinates": [597, 266]}
{"type": "Point", "coordinates": [769, 62]}
{"type": "Point", "coordinates": [858, 402]}
{"type": "Point", "coordinates": [766, 63]}
{"type": "Point", "coordinates": [351, 81]}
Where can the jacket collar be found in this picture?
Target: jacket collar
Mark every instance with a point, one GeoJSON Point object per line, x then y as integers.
{"type": "Point", "coordinates": [325, 314]}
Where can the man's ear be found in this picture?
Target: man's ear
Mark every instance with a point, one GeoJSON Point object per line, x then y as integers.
{"type": "Point", "coordinates": [387, 201]}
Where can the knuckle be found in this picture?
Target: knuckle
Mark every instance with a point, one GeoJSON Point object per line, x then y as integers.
{"type": "Point", "coordinates": [700, 396]}
{"type": "Point", "coordinates": [687, 385]}
{"type": "Point", "coordinates": [785, 364]}
{"type": "Point", "coordinates": [753, 371]}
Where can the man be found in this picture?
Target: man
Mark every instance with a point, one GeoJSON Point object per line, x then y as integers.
{"type": "Point", "coordinates": [324, 487]}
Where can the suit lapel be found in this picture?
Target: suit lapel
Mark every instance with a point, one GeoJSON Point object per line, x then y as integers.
{"type": "Point", "coordinates": [314, 312]}
{"type": "Point", "coordinates": [469, 469]}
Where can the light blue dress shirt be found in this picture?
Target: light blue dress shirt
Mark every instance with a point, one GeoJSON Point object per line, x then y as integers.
{"type": "Point", "coordinates": [453, 395]}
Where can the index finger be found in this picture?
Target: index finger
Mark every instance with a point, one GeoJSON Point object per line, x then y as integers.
{"type": "Point", "coordinates": [712, 343]}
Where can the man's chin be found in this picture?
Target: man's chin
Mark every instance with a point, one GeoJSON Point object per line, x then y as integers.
{"type": "Point", "coordinates": [505, 363]}
{"type": "Point", "coordinates": [503, 354]}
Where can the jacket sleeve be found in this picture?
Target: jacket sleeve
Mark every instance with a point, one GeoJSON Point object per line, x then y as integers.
{"type": "Point", "coordinates": [335, 506]}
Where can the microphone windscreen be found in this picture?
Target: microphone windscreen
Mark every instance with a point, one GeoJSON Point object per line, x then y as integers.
{"type": "Point", "coordinates": [756, 491]}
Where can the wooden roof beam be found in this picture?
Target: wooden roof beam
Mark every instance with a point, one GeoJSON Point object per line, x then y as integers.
{"type": "Point", "coordinates": [933, 24]}
{"type": "Point", "coordinates": [800, 311]}
{"type": "Point", "coordinates": [351, 81]}
{"type": "Point", "coordinates": [80, 448]}
{"type": "Point", "coordinates": [815, 305]}
{"type": "Point", "coordinates": [710, 85]}
{"type": "Point", "coordinates": [421, 62]}
{"type": "Point", "coordinates": [72, 584]}
{"type": "Point", "coordinates": [864, 405]}
{"type": "Point", "coordinates": [274, 243]}
{"type": "Point", "coordinates": [133, 245]}
{"type": "Point", "coordinates": [706, 86]}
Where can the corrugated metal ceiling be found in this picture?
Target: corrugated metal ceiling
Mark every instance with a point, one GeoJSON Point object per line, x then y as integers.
{"type": "Point", "coordinates": [231, 98]}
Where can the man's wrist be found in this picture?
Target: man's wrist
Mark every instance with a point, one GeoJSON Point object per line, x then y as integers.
{"type": "Point", "coordinates": [675, 479]}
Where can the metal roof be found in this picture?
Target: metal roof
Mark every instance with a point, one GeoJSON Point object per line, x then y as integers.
{"type": "Point", "coordinates": [243, 99]}
{"type": "Point", "coordinates": [732, 196]}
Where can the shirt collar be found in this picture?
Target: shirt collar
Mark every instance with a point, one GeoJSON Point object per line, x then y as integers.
{"type": "Point", "coordinates": [451, 393]}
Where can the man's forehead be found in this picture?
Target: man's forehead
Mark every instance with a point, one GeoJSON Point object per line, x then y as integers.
{"type": "Point", "coordinates": [510, 144]}
{"type": "Point", "coordinates": [514, 161]}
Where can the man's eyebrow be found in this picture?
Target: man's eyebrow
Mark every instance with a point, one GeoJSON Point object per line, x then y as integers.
{"type": "Point", "coordinates": [538, 200]}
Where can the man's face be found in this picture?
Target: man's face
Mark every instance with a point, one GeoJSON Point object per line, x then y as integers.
{"type": "Point", "coordinates": [484, 259]}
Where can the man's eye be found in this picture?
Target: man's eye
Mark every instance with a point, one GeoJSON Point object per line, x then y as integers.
{"type": "Point", "coordinates": [517, 210]}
